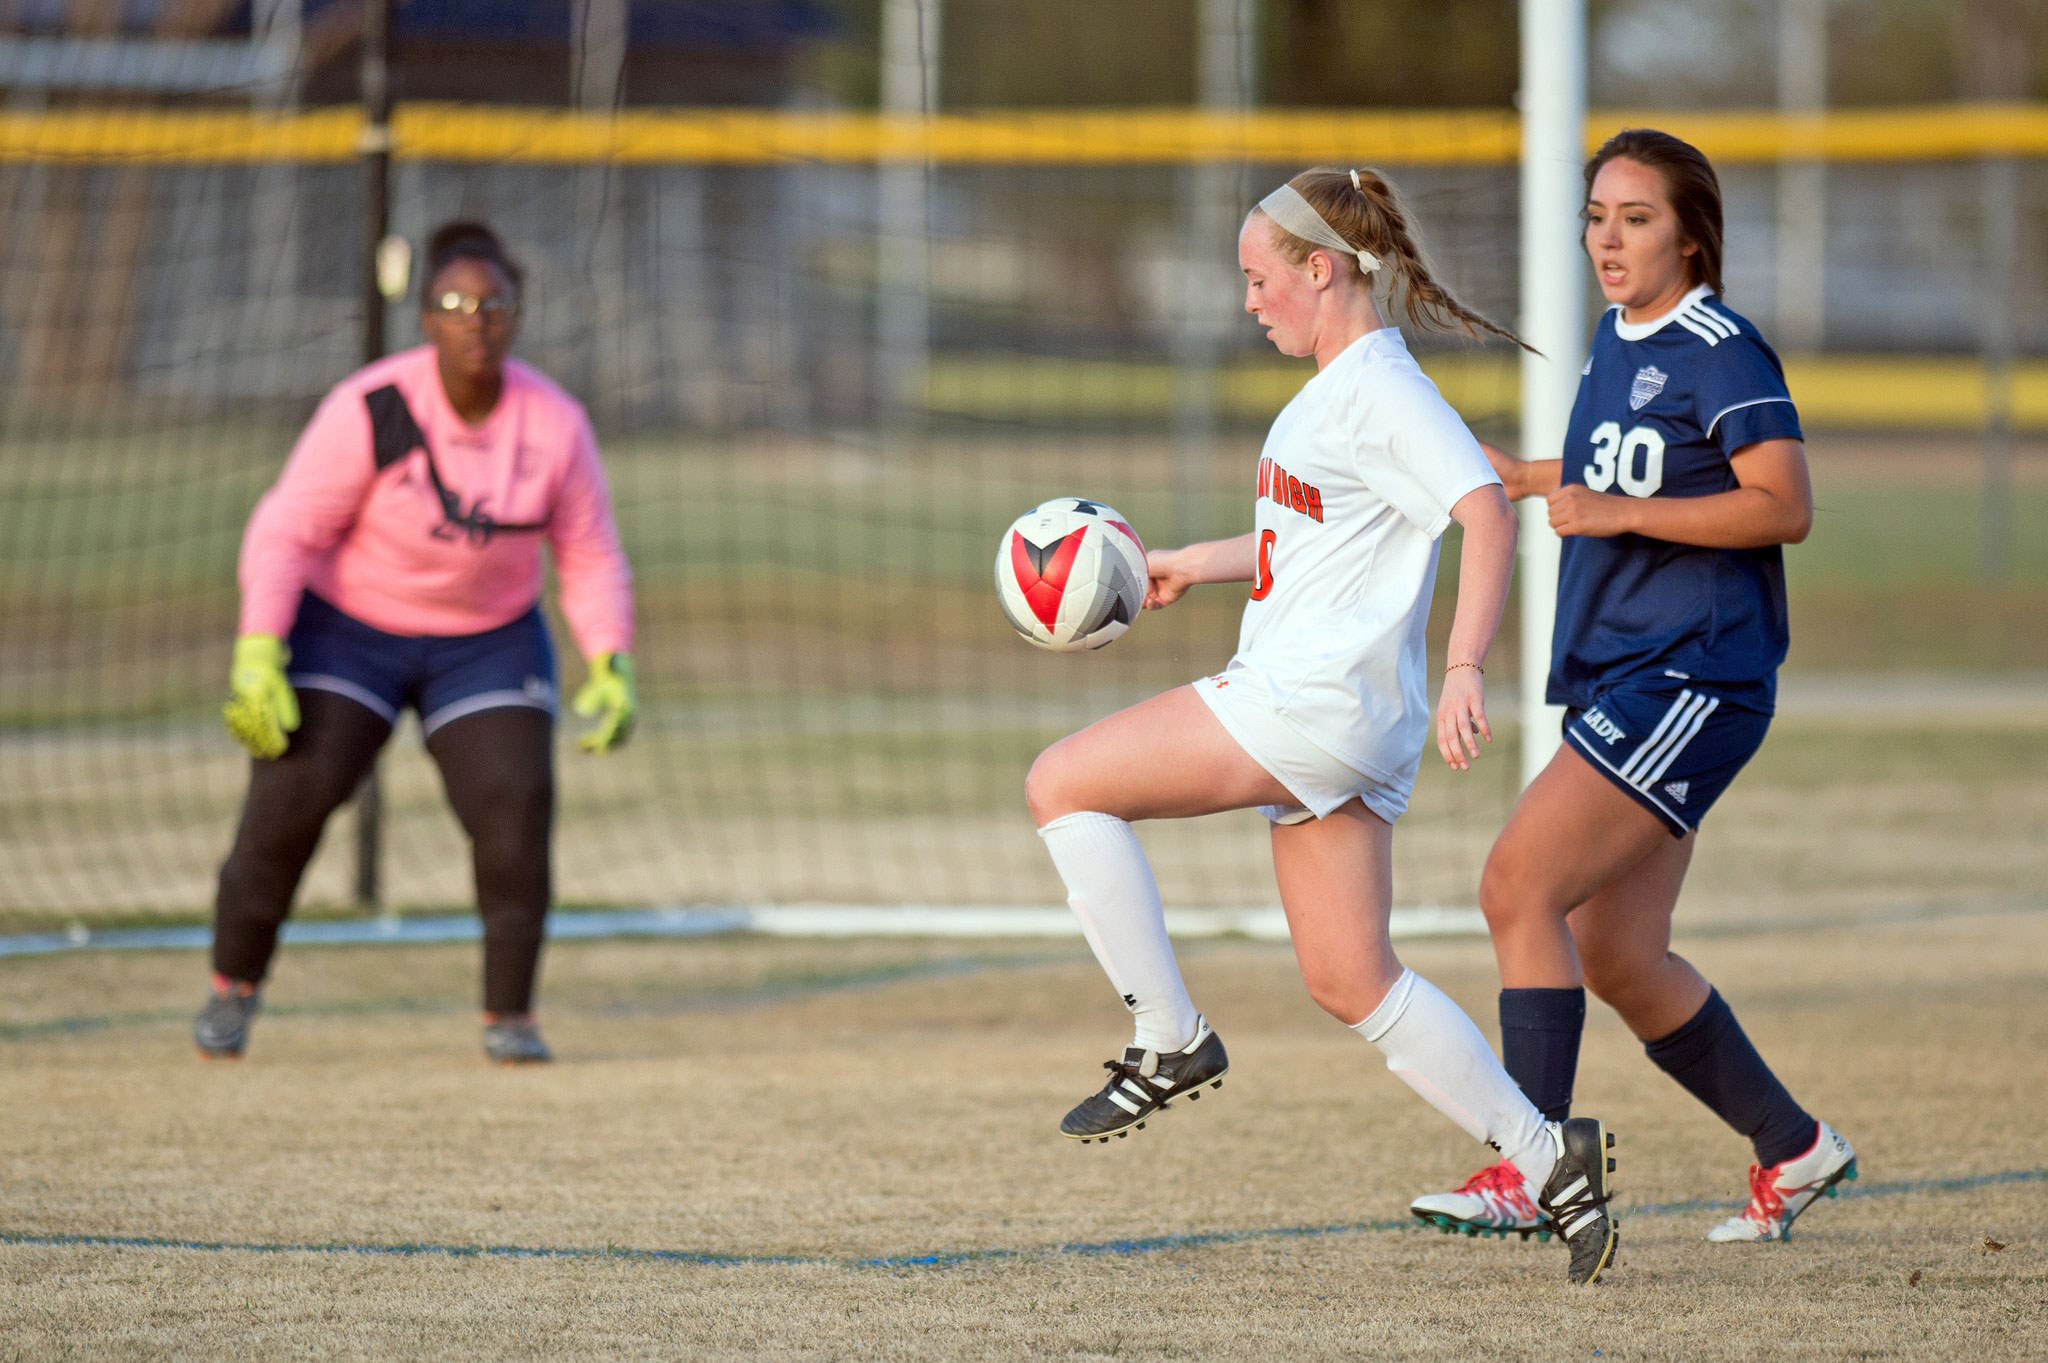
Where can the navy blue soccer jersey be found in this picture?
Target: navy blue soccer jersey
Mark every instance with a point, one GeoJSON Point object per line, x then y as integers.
{"type": "Point", "coordinates": [1662, 407]}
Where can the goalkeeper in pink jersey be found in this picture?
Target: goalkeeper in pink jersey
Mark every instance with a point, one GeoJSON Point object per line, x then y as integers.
{"type": "Point", "coordinates": [395, 564]}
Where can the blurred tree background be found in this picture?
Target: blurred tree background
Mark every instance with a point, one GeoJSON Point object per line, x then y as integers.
{"type": "Point", "coordinates": [1450, 53]}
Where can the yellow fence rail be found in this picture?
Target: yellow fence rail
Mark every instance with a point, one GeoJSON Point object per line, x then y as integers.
{"type": "Point", "coordinates": [447, 132]}
{"type": "Point", "coordinates": [1834, 392]}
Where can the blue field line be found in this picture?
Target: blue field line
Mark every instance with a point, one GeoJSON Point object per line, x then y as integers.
{"type": "Point", "coordinates": [1153, 1244]}
{"type": "Point", "coordinates": [727, 920]}
{"type": "Point", "coordinates": [438, 928]}
{"type": "Point", "coordinates": [770, 991]}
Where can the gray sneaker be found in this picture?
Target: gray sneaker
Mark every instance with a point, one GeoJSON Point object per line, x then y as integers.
{"type": "Point", "coordinates": [515, 1041]}
{"type": "Point", "coordinates": [222, 1027]}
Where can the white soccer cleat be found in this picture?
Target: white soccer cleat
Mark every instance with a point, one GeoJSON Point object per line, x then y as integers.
{"type": "Point", "coordinates": [1777, 1195]}
{"type": "Point", "coordinates": [1494, 1201]}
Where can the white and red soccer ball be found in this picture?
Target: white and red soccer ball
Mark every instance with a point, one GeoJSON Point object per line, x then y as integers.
{"type": "Point", "coordinates": [1070, 574]}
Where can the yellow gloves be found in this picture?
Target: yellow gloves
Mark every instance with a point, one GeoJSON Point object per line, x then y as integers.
{"type": "Point", "coordinates": [261, 708]}
{"type": "Point", "coordinates": [607, 697]}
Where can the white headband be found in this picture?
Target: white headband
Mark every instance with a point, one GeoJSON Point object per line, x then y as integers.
{"type": "Point", "coordinates": [1297, 215]}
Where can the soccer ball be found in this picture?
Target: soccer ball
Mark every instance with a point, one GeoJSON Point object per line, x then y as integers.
{"type": "Point", "coordinates": [1070, 574]}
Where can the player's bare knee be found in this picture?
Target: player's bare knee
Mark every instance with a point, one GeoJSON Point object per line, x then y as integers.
{"type": "Point", "coordinates": [1047, 787]}
{"type": "Point", "coordinates": [1500, 895]}
{"type": "Point", "coordinates": [1609, 977]}
{"type": "Point", "coordinates": [1628, 983]}
{"type": "Point", "coordinates": [1344, 997]}
{"type": "Point", "coordinates": [1510, 893]}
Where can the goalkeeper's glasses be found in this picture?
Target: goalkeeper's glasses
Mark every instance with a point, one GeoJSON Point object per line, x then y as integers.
{"type": "Point", "coordinates": [493, 308]}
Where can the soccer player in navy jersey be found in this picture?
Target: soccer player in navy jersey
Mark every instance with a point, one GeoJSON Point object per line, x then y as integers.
{"type": "Point", "coordinates": [1682, 475]}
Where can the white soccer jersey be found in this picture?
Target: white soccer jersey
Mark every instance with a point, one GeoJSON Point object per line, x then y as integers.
{"type": "Point", "coordinates": [1356, 483]}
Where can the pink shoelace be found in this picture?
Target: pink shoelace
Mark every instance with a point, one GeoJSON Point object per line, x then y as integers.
{"type": "Point", "coordinates": [1766, 1204]}
{"type": "Point", "coordinates": [1506, 1184]}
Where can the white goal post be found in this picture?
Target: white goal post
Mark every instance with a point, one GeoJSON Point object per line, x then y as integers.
{"type": "Point", "coordinates": [1553, 317]}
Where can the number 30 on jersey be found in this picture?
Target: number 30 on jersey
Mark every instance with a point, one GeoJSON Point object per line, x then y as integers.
{"type": "Point", "coordinates": [1635, 461]}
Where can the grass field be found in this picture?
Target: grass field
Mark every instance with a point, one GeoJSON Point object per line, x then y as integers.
{"type": "Point", "coordinates": [757, 1148]}
{"type": "Point", "coordinates": [781, 1149]}
{"type": "Point", "coordinates": [801, 1149]}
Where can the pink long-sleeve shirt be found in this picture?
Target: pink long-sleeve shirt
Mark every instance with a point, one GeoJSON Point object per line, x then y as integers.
{"type": "Point", "coordinates": [356, 518]}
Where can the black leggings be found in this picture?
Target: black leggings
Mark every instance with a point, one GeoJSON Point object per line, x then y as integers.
{"type": "Point", "coordinates": [498, 769]}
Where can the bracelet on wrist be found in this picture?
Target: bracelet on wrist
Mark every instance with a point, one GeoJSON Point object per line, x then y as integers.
{"type": "Point", "coordinates": [1452, 667]}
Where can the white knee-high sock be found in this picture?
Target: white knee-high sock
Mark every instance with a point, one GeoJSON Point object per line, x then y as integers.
{"type": "Point", "coordinates": [1435, 1049]}
{"type": "Point", "coordinates": [1112, 892]}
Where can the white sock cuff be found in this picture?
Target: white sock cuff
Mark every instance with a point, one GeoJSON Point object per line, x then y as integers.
{"type": "Point", "coordinates": [1391, 1007]}
{"type": "Point", "coordinates": [1088, 821]}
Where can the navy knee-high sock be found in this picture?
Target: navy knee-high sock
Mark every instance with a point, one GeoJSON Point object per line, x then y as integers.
{"type": "Point", "coordinates": [1539, 1044]}
{"type": "Point", "coordinates": [1713, 1058]}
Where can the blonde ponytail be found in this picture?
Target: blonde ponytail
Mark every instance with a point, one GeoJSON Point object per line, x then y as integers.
{"type": "Point", "coordinates": [1365, 209]}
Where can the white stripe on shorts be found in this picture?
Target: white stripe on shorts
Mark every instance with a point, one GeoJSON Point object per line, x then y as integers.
{"type": "Point", "coordinates": [1699, 720]}
{"type": "Point", "coordinates": [1646, 793]}
{"type": "Point", "coordinates": [342, 686]}
{"type": "Point", "coordinates": [485, 700]}
{"type": "Point", "coordinates": [1654, 754]}
{"type": "Point", "coordinates": [1628, 768]}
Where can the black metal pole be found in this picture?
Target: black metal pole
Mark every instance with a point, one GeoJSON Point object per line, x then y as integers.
{"type": "Point", "coordinates": [376, 156]}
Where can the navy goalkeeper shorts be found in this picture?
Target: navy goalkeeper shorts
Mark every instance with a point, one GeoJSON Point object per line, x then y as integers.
{"type": "Point", "coordinates": [444, 677]}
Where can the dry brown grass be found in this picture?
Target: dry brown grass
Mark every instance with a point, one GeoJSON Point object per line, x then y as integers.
{"type": "Point", "coordinates": [843, 1101]}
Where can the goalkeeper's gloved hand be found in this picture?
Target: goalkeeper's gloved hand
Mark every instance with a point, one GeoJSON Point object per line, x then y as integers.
{"type": "Point", "coordinates": [609, 694]}
{"type": "Point", "coordinates": [261, 707]}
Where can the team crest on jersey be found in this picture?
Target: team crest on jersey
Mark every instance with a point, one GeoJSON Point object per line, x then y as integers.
{"type": "Point", "coordinates": [1649, 382]}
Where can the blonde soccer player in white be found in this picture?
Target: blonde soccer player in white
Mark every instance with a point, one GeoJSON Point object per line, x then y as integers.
{"type": "Point", "coordinates": [1319, 721]}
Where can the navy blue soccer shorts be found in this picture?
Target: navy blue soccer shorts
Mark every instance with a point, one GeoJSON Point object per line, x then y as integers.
{"type": "Point", "coordinates": [444, 677]}
{"type": "Point", "coordinates": [1673, 745]}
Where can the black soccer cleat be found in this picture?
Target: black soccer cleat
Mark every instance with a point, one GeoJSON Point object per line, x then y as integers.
{"type": "Point", "coordinates": [1145, 1081]}
{"type": "Point", "coordinates": [1576, 1195]}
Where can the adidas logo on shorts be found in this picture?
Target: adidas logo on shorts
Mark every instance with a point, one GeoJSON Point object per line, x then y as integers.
{"type": "Point", "coordinates": [1677, 789]}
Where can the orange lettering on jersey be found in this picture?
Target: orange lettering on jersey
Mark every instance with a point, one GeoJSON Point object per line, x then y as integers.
{"type": "Point", "coordinates": [1262, 567]}
{"type": "Point", "coordinates": [1289, 491]}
